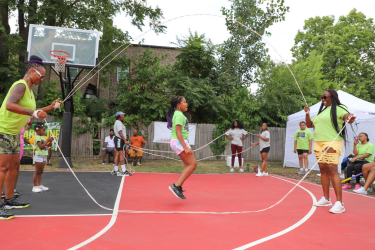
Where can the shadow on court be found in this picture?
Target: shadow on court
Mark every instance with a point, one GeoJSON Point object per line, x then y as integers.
{"type": "Point", "coordinates": [65, 194]}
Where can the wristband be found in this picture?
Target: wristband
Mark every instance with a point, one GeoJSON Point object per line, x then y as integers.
{"type": "Point", "coordinates": [35, 113]}
{"type": "Point", "coordinates": [307, 112]}
{"type": "Point", "coordinates": [57, 105]}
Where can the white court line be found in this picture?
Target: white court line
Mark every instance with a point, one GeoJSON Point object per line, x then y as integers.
{"type": "Point", "coordinates": [348, 192]}
{"type": "Point", "coordinates": [299, 223]}
{"type": "Point", "coordinates": [111, 222]}
{"type": "Point", "coordinates": [62, 215]}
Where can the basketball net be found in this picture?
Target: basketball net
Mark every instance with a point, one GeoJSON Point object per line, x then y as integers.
{"type": "Point", "coordinates": [59, 58]}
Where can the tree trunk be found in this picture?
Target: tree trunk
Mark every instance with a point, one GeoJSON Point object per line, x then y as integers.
{"type": "Point", "coordinates": [4, 49]}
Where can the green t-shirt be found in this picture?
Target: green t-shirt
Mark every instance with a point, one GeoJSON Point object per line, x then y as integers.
{"type": "Point", "coordinates": [367, 148]}
{"type": "Point", "coordinates": [303, 138]}
{"type": "Point", "coordinates": [39, 151]}
{"type": "Point", "coordinates": [12, 123]}
{"type": "Point", "coordinates": [324, 130]}
{"type": "Point", "coordinates": [180, 119]}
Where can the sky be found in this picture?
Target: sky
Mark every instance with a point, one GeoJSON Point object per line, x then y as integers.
{"type": "Point", "coordinates": [283, 33]}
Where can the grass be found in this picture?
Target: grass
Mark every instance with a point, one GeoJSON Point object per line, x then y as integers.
{"type": "Point", "coordinates": [169, 166]}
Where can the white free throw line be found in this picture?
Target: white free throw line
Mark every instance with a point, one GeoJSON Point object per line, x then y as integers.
{"type": "Point", "coordinates": [62, 215]}
{"type": "Point", "coordinates": [111, 222]}
{"type": "Point", "coordinates": [300, 222]}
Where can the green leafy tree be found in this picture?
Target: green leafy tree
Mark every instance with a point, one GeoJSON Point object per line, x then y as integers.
{"type": "Point", "coordinates": [143, 92]}
{"type": "Point", "coordinates": [348, 48]}
{"type": "Point", "coordinates": [244, 51]}
{"type": "Point", "coordinates": [278, 96]}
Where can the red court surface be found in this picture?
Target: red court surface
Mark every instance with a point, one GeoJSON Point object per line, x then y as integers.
{"type": "Point", "coordinates": [153, 224]}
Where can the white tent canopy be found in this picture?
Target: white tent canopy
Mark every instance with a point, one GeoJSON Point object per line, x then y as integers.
{"type": "Point", "coordinates": [365, 112]}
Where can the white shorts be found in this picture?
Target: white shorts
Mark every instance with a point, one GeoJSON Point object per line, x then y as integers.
{"type": "Point", "coordinates": [40, 158]}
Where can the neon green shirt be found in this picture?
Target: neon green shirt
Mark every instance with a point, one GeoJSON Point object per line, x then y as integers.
{"type": "Point", "coordinates": [367, 148]}
{"type": "Point", "coordinates": [12, 123]}
{"type": "Point", "coordinates": [324, 130]}
{"type": "Point", "coordinates": [303, 138]}
{"type": "Point", "coordinates": [39, 151]}
{"type": "Point", "coordinates": [180, 119]}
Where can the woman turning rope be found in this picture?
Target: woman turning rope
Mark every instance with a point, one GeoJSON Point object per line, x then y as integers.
{"type": "Point", "coordinates": [18, 106]}
{"type": "Point", "coordinates": [179, 142]}
{"type": "Point", "coordinates": [328, 123]}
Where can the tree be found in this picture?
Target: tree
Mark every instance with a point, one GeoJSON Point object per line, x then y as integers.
{"type": "Point", "coordinates": [142, 93]}
{"type": "Point", "coordinates": [278, 96]}
{"type": "Point", "coordinates": [348, 48]}
{"type": "Point", "coordinates": [244, 51]}
{"type": "Point", "coordinates": [197, 57]}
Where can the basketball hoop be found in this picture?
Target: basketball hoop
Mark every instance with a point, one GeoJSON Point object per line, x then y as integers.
{"type": "Point", "coordinates": [59, 57]}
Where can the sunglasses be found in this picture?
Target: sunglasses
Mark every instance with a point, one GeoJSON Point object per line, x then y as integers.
{"type": "Point", "coordinates": [324, 97]}
{"type": "Point", "coordinates": [41, 76]}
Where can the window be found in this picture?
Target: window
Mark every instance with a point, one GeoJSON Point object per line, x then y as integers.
{"type": "Point", "coordinates": [121, 73]}
{"type": "Point", "coordinates": [73, 73]}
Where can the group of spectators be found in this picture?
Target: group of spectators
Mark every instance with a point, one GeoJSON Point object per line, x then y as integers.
{"type": "Point", "coordinates": [133, 147]}
{"type": "Point", "coordinates": [360, 163]}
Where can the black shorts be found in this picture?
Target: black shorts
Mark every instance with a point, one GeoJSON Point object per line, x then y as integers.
{"type": "Point", "coordinates": [119, 143]}
{"type": "Point", "coordinates": [265, 150]}
{"type": "Point", "coordinates": [302, 151]}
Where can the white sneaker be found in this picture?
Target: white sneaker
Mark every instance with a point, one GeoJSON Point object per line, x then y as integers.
{"type": "Point", "coordinates": [36, 189]}
{"type": "Point", "coordinates": [259, 174]}
{"type": "Point", "coordinates": [232, 170]}
{"type": "Point", "coordinates": [369, 190]}
{"type": "Point", "coordinates": [265, 174]}
{"type": "Point", "coordinates": [323, 202]}
{"type": "Point", "coordinates": [361, 190]}
{"type": "Point", "coordinates": [338, 208]}
{"type": "Point", "coordinates": [241, 170]}
{"type": "Point", "coordinates": [43, 188]}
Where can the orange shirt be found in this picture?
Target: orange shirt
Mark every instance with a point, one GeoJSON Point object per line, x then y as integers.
{"type": "Point", "coordinates": [137, 141]}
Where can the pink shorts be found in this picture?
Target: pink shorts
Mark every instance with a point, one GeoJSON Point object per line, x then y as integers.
{"type": "Point", "coordinates": [177, 147]}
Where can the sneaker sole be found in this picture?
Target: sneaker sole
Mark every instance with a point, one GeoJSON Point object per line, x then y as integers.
{"type": "Point", "coordinates": [7, 218]}
{"type": "Point", "coordinates": [328, 205]}
{"type": "Point", "coordinates": [175, 194]}
{"type": "Point", "coordinates": [15, 207]}
{"type": "Point", "coordinates": [342, 211]}
{"type": "Point", "coordinates": [36, 191]}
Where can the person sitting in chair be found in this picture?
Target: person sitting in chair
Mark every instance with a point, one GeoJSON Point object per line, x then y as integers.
{"type": "Point", "coordinates": [109, 146]}
{"type": "Point", "coordinates": [137, 143]}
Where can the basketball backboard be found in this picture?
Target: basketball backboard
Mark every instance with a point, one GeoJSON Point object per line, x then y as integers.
{"type": "Point", "coordinates": [82, 45]}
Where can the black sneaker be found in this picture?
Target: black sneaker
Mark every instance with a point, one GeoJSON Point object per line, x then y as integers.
{"type": "Point", "coordinates": [177, 191]}
{"type": "Point", "coordinates": [115, 173]}
{"type": "Point", "coordinates": [15, 203]}
{"type": "Point", "coordinates": [4, 214]}
{"type": "Point", "coordinates": [126, 173]}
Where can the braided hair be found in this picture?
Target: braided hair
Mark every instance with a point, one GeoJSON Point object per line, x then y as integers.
{"type": "Point", "coordinates": [335, 103]}
{"type": "Point", "coordinates": [175, 100]}
{"type": "Point", "coordinates": [34, 62]}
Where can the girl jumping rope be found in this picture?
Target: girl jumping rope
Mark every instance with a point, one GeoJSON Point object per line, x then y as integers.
{"type": "Point", "coordinates": [41, 152]}
{"type": "Point", "coordinates": [179, 142]}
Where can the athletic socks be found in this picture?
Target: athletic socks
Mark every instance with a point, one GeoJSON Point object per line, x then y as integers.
{"type": "Point", "coordinates": [116, 168]}
{"type": "Point", "coordinates": [301, 169]}
{"type": "Point", "coordinates": [123, 168]}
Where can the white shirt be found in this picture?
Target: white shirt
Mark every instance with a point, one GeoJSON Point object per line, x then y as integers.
{"type": "Point", "coordinates": [110, 142]}
{"type": "Point", "coordinates": [236, 134]}
{"type": "Point", "coordinates": [264, 144]}
{"type": "Point", "coordinates": [119, 126]}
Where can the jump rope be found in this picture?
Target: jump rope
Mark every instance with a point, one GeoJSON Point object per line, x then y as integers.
{"type": "Point", "coordinates": [79, 85]}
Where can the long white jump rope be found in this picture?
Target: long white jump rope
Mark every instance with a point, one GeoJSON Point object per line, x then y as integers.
{"type": "Point", "coordinates": [79, 85]}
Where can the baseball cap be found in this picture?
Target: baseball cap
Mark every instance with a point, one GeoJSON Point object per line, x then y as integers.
{"type": "Point", "coordinates": [120, 113]}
